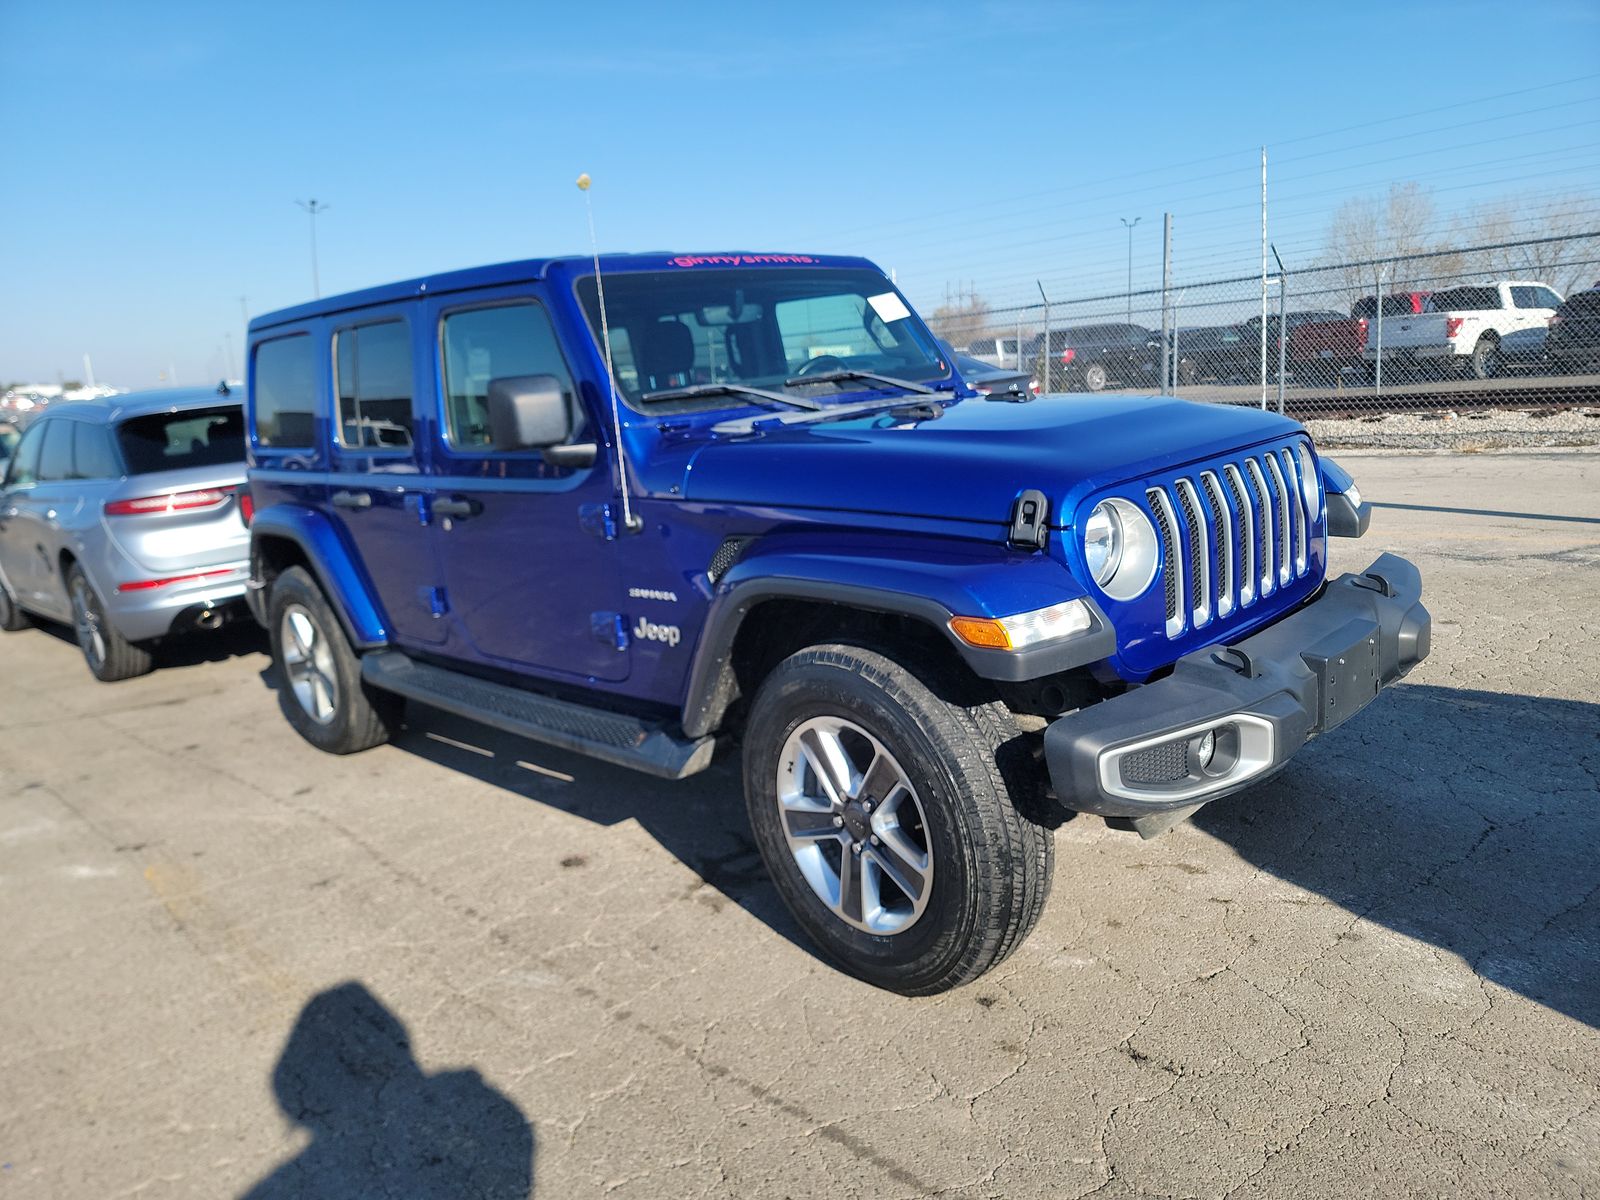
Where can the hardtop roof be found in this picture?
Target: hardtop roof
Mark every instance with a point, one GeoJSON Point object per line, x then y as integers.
{"type": "Point", "coordinates": [529, 270]}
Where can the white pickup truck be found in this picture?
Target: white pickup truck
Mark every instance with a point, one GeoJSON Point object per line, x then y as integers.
{"type": "Point", "coordinates": [1460, 329]}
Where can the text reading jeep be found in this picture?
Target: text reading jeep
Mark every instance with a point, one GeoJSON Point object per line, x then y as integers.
{"type": "Point", "coordinates": [703, 497]}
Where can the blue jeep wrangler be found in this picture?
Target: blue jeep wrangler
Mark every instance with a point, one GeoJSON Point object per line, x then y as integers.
{"type": "Point", "coordinates": [640, 506]}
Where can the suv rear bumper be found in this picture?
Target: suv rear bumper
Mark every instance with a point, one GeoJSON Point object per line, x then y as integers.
{"type": "Point", "coordinates": [1141, 756]}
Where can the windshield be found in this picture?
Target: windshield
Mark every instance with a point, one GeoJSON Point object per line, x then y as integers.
{"type": "Point", "coordinates": [756, 328]}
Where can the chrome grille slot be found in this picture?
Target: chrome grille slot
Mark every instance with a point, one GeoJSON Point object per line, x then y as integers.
{"type": "Point", "coordinates": [1261, 498]}
{"type": "Point", "coordinates": [1222, 523]}
{"type": "Point", "coordinates": [1285, 556]}
{"type": "Point", "coordinates": [1199, 554]}
{"type": "Point", "coordinates": [1245, 577]}
{"type": "Point", "coordinates": [1302, 518]}
{"type": "Point", "coordinates": [1171, 557]}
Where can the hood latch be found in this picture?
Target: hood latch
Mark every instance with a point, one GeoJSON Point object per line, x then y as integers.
{"type": "Point", "coordinates": [1030, 520]}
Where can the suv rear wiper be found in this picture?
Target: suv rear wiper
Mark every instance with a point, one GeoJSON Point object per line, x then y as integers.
{"type": "Point", "coordinates": [694, 391]}
{"type": "Point", "coordinates": [845, 375]}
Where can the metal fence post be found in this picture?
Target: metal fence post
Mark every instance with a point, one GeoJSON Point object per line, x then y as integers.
{"type": "Point", "coordinates": [1283, 328]}
{"type": "Point", "coordinates": [1044, 346]}
{"type": "Point", "coordinates": [1167, 331]}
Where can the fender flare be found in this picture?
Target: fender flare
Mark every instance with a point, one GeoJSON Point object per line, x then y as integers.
{"type": "Point", "coordinates": [332, 562]}
{"type": "Point", "coordinates": [931, 590]}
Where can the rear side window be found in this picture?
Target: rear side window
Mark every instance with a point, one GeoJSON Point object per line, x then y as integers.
{"type": "Point", "coordinates": [55, 462]}
{"type": "Point", "coordinates": [1466, 299]}
{"type": "Point", "coordinates": [484, 344]}
{"type": "Point", "coordinates": [92, 454]}
{"type": "Point", "coordinates": [285, 393]}
{"type": "Point", "coordinates": [207, 437]}
{"type": "Point", "coordinates": [372, 374]}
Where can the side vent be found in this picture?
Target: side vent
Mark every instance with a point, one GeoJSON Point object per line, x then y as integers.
{"type": "Point", "coordinates": [727, 554]}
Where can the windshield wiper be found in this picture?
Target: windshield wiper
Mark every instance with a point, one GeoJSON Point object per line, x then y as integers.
{"type": "Point", "coordinates": [843, 376]}
{"type": "Point", "coordinates": [839, 412]}
{"type": "Point", "coordinates": [697, 390]}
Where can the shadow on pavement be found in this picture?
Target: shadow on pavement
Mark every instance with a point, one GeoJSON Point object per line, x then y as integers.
{"type": "Point", "coordinates": [379, 1125]}
{"type": "Point", "coordinates": [1465, 819]}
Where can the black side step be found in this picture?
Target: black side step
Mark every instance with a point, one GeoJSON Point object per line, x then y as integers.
{"type": "Point", "coordinates": [612, 737]}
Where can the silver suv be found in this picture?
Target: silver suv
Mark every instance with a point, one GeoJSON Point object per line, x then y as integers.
{"type": "Point", "coordinates": [128, 518]}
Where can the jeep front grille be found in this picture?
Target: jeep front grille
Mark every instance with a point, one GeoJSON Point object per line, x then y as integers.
{"type": "Point", "coordinates": [1230, 536]}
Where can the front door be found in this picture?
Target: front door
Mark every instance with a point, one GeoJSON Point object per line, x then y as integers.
{"type": "Point", "coordinates": [19, 527]}
{"type": "Point", "coordinates": [379, 490]}
{"type": "Point", "coordinates": [530, 579]}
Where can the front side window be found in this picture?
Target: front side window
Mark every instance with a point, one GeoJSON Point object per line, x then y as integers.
{"type": "Point", "coordinates": [480, 345]}
{"type": "Point", "coordinates": [24, 468]}
{"type": "Point", "coordinates": [372, 376]}
{"type": "Point", "coordinates": [207, 437]}
{"type": "Point", "coordinates": [285, 392]}
{"type": "Point", "coordinates": [756, 327]}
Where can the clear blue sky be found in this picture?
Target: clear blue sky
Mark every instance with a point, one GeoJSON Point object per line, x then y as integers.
{"type": "Point", "coordinates": [153, 153]}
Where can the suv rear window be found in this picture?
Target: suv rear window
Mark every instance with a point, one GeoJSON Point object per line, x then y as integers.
{"type": "Point", "coordinates": [206, 437]}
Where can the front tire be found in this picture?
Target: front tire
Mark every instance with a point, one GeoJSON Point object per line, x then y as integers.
{"type": "Point", "coordinates": [111, 657]}
{"type": "Point", "coordinates": [1095, 377]}
{"type": "Point", "coordinates": [320, 687]}
{"type": "Point", "coordinates": [886, 816]}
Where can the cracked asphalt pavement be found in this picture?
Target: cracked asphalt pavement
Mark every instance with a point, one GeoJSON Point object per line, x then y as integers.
{"type": "Point", "coordinates": [462, 966]}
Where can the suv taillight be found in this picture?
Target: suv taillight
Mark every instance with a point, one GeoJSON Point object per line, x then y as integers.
{"type": "Point", "coordinates": [1068, 355]}
{"type": "Point", "coordinates": [247, 504]}
{"type": "Point", "coordinates": [170, 502]}
{"type": "Point", "coordinates": [1452, 326]}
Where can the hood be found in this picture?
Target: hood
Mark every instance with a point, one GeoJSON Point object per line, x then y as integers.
{"type": "Point", "coordinates": [971, 462]}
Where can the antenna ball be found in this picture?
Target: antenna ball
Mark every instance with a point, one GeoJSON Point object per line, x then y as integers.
{"type": "Point", "coordinates": [583, 182]}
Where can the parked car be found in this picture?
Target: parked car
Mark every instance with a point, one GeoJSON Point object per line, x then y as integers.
{"type": "Point", "coordinates": [987, 380]}
{"type": "Point", "coordinates": [998, 351]}
{"type": "Point", "coordinates": [127, 520]}
{"type": "Point", "coordinates": [1091, 358]}
{"type": "Point", "coordinates": [784, 521]}
{"type": "Point", "coordinates": [1521, 352]}
{"type": "Point", "coordinates": [1324, 350]}
{"type": "Point", "coordinates": [1460, 329]}
{"type": "Point", "coordinates": [1232, 353]}
{"type": "Point", "coordinates": [10, 435]}
{"type": "Point", "coordinates": [1573, 341]}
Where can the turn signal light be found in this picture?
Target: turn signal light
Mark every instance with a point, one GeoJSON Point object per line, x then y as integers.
{"type": "Point", "coordinates": [984, 632]}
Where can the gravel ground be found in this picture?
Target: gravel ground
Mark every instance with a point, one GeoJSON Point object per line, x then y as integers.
{"type": "Point", "coordinates": [1465, 430]}
{"type": "Point", "coordinates": [461, 966]}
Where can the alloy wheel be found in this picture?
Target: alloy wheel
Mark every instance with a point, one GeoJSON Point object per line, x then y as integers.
{"type": "Point", "coordinates": [87, 623]}
{"type": "Point", "coordinates": [308, 664]}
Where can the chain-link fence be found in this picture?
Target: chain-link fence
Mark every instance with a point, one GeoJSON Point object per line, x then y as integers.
{"type": "Point", "coordinates": [1494, 343]}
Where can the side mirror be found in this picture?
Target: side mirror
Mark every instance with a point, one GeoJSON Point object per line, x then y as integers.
{"type": "Point", "coordinates": [530, 412]}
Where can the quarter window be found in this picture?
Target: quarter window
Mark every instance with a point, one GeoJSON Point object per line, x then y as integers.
{"type": "Point", "coordinates": [92, 455]}
{"type": "Point", "coordinates": [55, 461]}
{"type": "Point", "coordinates": [481, 345]}
{"type": "Point", "coordinates": [25, 463]}
{"type": "Point", "coordinates": [286, 393]}
{"type": "Point", "coordinates": [372, 374]}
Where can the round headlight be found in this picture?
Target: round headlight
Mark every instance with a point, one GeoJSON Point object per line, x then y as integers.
{"type": "Point", "coordinates": [1310, 481]}
{"type": "Point", "coordinates": [1102, 542]}
{"type": "Point", "coordinates": [1120, 545]}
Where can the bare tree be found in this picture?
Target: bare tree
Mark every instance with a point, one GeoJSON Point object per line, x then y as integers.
{"type": "Point", "coordinates": [1549, 232]}
{"type": "Point", "coordinates": [960, 323]}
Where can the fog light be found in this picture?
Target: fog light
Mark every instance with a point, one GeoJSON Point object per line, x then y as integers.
{"type": "Point", "coordinates": [1205, 749]}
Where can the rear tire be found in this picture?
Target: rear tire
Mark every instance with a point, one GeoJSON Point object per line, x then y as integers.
{"type": "Point", "coordinates": [946, 778]}
{"type": "Point", "coordinates": [12, 618]}
{"type": "Point", "coordinates": [1485, 357]}
{"type": "Point", "coordinates": [1095, 377]}
{"type": "Point", "coordinates": [111, 657]}
{"type": "Point", "coordinates": [320, 689]}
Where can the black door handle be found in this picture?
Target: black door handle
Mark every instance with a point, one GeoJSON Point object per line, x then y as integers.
{"type": "Point", "coordinates": [343, 499]}
{"type": "Point", "coordinates": [457, 506]}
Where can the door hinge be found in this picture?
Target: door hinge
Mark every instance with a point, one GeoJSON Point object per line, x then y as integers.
{"type": "Point", "coordinates": [435, 600]}
{"type": "Point", "coordinates": [599, 520]}
{"type": "Point", "coordinates": [609, 629]}
{"type": "Point", "coordinates": [1030, 515]}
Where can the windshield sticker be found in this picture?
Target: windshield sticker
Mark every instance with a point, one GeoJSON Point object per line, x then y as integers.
{"type": "Point", "coordinates": [889, 306]}
{"type": "Point", "coordinates": [739, 260]}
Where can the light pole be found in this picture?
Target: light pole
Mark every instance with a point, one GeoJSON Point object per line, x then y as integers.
{"type": "Point", "coordinates": [314, 207]}
{"type": "Point", "coordinates": [1128, 225]}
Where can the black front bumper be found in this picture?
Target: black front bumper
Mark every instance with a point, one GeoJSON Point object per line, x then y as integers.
{"type": "Point", "coordinates": [1144, 756]}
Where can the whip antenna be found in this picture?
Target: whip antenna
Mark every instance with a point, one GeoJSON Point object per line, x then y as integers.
{"type": "Point", "coordinates": [629, 521]}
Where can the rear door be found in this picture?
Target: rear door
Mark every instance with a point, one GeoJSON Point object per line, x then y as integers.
{"type": "Point", "coordinates": [379, 490]}
{"type": "Point", "coordinates": [531, 581]}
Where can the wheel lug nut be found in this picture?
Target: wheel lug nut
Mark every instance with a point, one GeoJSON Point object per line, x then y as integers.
{"type": "Point", "coordinates": [855, 847]}
{"type": "Point", "coordinates": [866, 806]}
{"type": "Point", "coordinates": [875, 839]}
